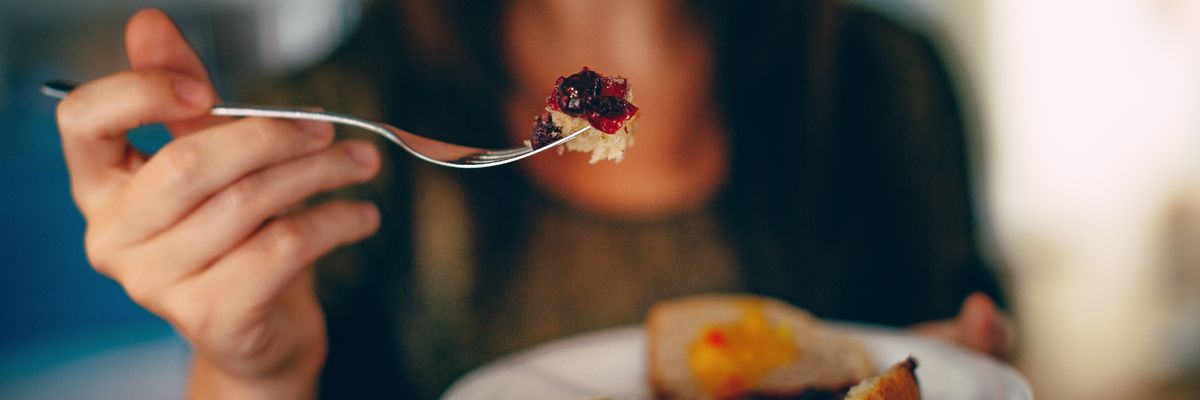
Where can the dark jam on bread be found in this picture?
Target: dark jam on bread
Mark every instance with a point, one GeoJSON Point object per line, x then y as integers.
{"type": "Point", "coordinates": [601, 100]}
{"type": "Point", "coordinates": [544, 131]}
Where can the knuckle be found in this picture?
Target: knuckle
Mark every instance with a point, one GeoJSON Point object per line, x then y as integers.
{"type": "Point", "coordinates": [68, 115]}
{"type": "Point", "coordinates": [142, 288]}
{"type": "Point", "coordinates": [190, 314]}
{"type": "Point", "coordinates": [99, 261]}
{"type": "Point", "coordinates": [179, 164]}
{"type": "Point", "coordinates": [139, 293]}
{"type": "Point", "coordinates": [99, 253]}
{"type": "Point", "coordinates": [145, 289]}
{"type": "Point", "coordinates": [286, 239]}
{"type": "Point", "coordinates": [241, 194]}
{"type": "Point", "coordinates": [266, 132]}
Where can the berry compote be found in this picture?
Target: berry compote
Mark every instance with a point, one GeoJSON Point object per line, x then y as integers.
{"type": "Point", "coordinates": [588, 99]}
{"type": "Point", "coordinates": [602, 100]}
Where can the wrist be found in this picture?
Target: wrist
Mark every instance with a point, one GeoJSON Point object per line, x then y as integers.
{"type": "Point", "coordinates": [297, 381]}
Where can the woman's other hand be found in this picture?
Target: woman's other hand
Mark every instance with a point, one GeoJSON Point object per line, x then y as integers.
{"type": "Point", "coordinates": [979, 326]}
{"type": "Point", "coordinates": [196, 233]}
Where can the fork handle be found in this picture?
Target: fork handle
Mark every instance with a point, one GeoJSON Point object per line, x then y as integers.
{"type": "Point", "coordinates": [59, 88]}
{"type": "Point", "coordinates": [431, 150]}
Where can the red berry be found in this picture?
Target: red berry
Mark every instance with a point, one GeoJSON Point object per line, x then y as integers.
{"type": "Point", "coordinates": [609, 113]}
{"type": "Point", "coordinates": [599, 99]}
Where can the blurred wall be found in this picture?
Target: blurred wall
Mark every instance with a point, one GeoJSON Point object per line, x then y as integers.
{"type": "Point", "coordinates": [1094, 136]}
{"type": "Point", "coordinates": [1088, 148]}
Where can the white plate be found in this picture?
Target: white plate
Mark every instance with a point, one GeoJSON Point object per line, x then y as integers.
{"type": "Point", "coordinates": [611, 363]}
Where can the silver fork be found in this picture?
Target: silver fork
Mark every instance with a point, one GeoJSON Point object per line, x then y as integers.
{"type": "Point", "coordinates": [434, 151]}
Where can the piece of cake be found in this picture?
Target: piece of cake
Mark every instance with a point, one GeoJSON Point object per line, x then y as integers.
{"type": "Point", "coordinates": [588, 99]}
{"type": "Point", "coordinates": [722, 347]}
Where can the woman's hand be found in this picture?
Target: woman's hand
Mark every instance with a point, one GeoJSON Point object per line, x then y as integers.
{"type": "Point", "coordinates": [195, 233]}
{"type": "Point", "coordinates": [979, 326]}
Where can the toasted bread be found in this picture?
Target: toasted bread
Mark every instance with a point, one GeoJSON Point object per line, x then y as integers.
{"type": "Point", "coordinates": [897, 383]}
{"type": "Point", "coordinates": [773, 350]}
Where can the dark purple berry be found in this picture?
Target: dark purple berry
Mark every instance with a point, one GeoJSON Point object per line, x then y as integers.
{"type": "Point", "coordinates": [610, 107]}
{"type": "Point", "coordinates": [576, 91]}
{"type": "Point", "coordinates": [544, 131]}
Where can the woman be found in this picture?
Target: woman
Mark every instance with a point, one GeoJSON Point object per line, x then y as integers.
{"type": "Point", "coordinates": [787, 149]}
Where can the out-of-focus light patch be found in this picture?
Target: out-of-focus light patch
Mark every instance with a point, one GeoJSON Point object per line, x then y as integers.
{"type": "Point", "coordinates": [1092, 121]}
{"type": "Point", "coordinates": [295, 33]}
{"type": "Point", "coordinates": [1181, 349]}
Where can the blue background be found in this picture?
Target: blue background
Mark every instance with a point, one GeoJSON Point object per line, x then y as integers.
{"type": "Point", "coordinates": [56, 306]}
{"type": "Point", "coordinates": [60, 321]}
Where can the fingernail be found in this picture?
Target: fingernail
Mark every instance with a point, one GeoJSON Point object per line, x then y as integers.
{"type": "Point", "coordinates": [316, 129]}
{"type": "Point", "coordinates": [362, 153]}
{"type": "Point", "coordinates": [192, 92]}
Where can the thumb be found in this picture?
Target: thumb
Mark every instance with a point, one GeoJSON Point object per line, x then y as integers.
{"type": "Point", "coordinates": [981, 326]}
{"type": "Point", "coordinates": [153, 41]}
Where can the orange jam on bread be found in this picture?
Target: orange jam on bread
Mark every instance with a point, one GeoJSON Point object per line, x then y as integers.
{"type": "Point", "coordinates": [730, 358]}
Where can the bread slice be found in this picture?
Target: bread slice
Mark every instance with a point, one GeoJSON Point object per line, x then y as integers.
{"type": "Point", "coordinates": [813, 358]}
{"type": "Point", "coordinates": [897, 383]}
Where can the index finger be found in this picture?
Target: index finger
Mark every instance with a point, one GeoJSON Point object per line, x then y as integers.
{"type": "Point", "coordinates": [94, 118]}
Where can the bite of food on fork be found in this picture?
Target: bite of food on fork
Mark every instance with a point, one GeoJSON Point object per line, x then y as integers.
{"type": "Point", "coordinates": [588, 99]}
{"type": "Point", "coordinates": [594, 113]}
